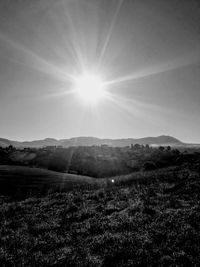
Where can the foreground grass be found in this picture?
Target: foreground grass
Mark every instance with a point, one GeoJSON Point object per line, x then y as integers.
{"type": "Point", "coordinates": [149, 220]}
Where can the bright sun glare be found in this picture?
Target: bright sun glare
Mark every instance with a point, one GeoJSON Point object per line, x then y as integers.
{"type": "Point", "coordinates": [90, 88]}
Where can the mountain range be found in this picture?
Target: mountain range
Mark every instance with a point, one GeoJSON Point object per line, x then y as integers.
{"type": "Point", "coordinates": [90, 141]}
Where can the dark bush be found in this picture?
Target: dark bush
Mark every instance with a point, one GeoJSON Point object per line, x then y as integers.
{"type": "Point", "coordinates": [149, 165]}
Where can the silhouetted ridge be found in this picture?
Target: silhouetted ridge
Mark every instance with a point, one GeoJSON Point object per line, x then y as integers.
{"type": "Point", "coordinates": [90, 141]}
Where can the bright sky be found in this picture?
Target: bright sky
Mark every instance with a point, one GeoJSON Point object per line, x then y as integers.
{"type": "Point", "coordinates": [146, 52]}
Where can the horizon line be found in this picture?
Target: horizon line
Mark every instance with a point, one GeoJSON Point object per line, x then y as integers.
{"type": "Point", "coordinates": [102, 138]}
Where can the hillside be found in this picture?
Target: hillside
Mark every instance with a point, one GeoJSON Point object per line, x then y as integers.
{"type": "Point", "coordinates": [24, 181]}
{"type": "Point", "coordinates": [90, 141]}
{"type": "Point", "coordinates": [152, 219]}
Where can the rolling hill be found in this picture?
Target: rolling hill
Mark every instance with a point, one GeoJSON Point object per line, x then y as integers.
{"type": "Point", "coordinates": [90, 141]}
{"type": "Point", "coordinates": [22, 180]}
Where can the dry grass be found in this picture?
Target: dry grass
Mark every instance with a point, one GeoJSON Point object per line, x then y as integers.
{"type": "Point", "coordinates": [149, 220]}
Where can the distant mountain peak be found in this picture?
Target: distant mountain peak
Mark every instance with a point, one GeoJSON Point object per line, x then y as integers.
{"type": "Point", "coordinates": [90, 141]}
{"type": "Point", "coordinates": [50, 139]}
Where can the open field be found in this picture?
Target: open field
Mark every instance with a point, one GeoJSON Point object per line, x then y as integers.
{"type": "Point", "coordinates": [20, 180]}
{"type": "Point", "coordinates": [142, 219]}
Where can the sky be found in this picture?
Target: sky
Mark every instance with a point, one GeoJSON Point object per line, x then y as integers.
{"type": "Point", "coordinates": [146, 51]}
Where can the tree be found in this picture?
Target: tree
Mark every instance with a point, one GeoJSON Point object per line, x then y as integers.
{"type": "Point", "coordinates": [136, 146]}
{"type": "Point", "coordinates": [161, 148]}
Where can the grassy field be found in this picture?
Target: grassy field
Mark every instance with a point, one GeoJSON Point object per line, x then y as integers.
{"type": "Point", "coordinates": [142, 219]}
{"type": "Point", "coordinates": [23, 181]}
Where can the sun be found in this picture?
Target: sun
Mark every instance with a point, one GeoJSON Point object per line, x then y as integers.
{"type": "Point", "coordinates": [90, 88]}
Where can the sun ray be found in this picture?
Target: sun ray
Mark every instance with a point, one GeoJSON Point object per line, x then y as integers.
{"type": "Point", "coordinates": [110, 31]}
{"type": "Point", "coordinates": [61, 23]}
{"type": "Point", "coordinates": [75, 42]}
{"type": "Point", "coordinates": [188, 60]}
{"type": "Point", "coordinates": [37, 62]}
{"type": "Point", "coordinates": [140, 110]}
